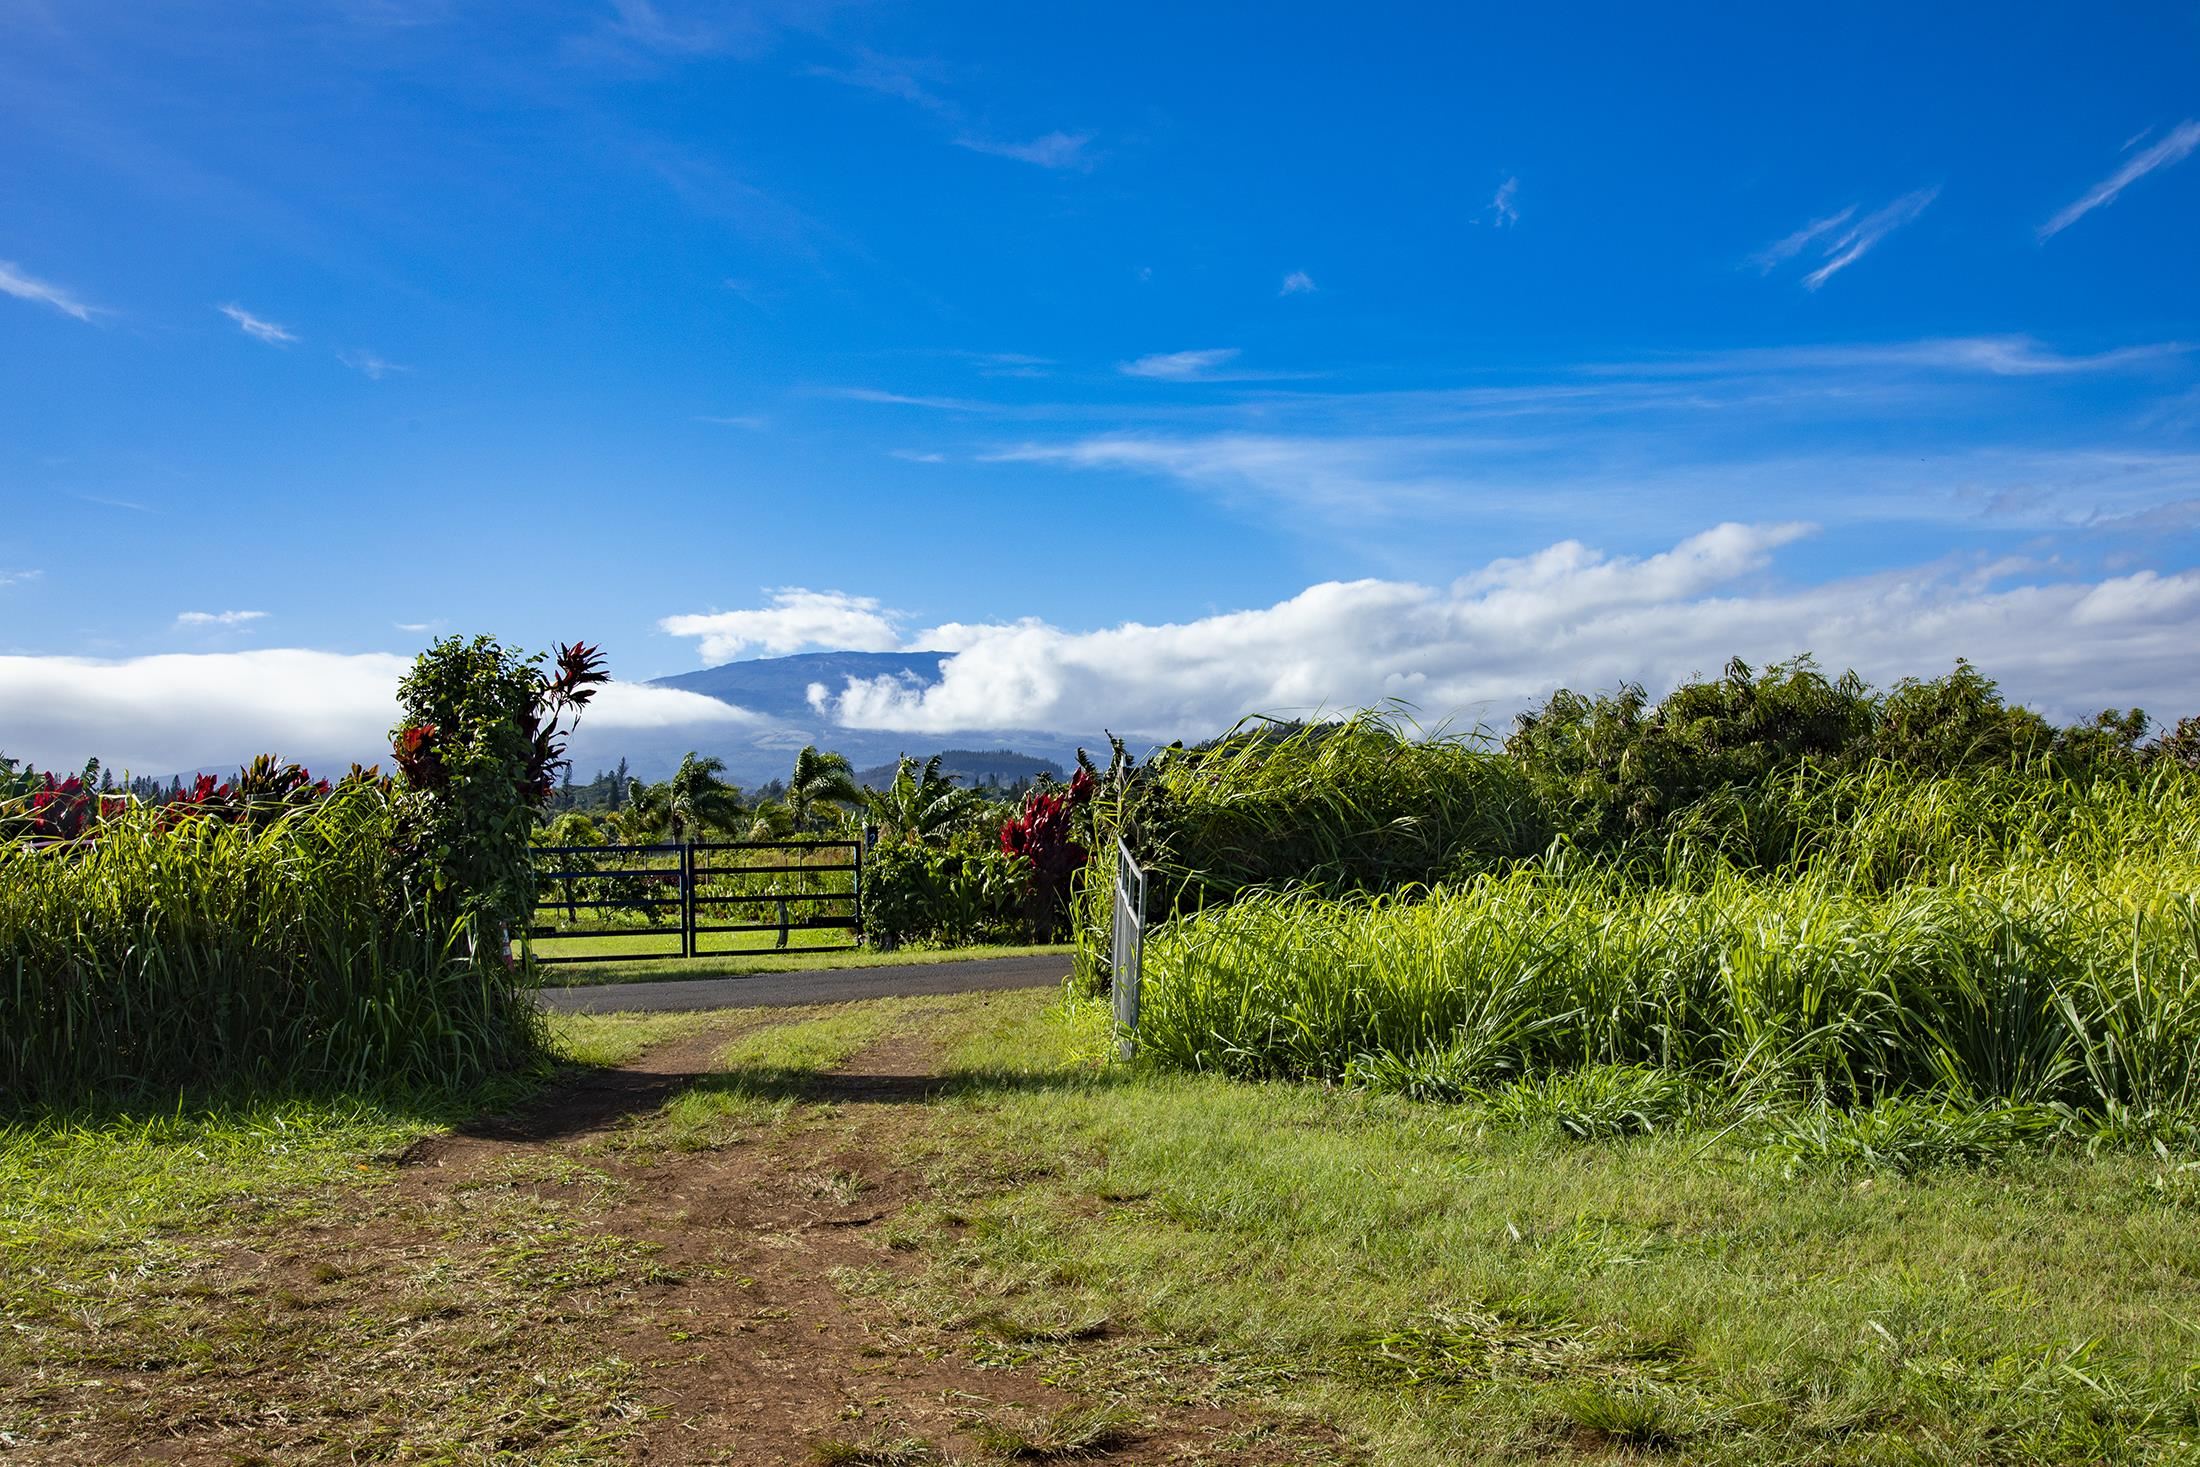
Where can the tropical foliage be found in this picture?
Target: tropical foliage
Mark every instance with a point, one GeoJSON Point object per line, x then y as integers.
{"type": "Point", "coordinates": [1769, 889]}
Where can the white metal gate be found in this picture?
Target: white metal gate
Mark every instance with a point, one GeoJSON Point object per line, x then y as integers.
{"type": "Point", "coordinates": [1127, 953]}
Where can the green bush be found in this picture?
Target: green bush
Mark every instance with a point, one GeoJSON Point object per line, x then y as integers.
{"type": "Point", "coordinates": [923, 895]}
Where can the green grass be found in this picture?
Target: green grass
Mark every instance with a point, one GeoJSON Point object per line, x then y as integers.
{"type": "Point", "coordinates": [1456, 1284]}
{"type": "Point", "coordinates": [665, 943]}
{"type": "Point", "coordinates": [151, 958]}
{"type": "Point", "coordinates": [1595, 1266]}
{"type": "Point", "coordinates": [650, 970]}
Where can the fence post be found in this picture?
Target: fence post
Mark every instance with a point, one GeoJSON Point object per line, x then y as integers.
{"type": "Point", "coordinates": [687, 899]}
{"type": "Point", "coordinates": [857, 902]}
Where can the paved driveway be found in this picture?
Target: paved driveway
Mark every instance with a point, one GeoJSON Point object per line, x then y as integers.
{"type": "Point", "coordinates": [831, 985]}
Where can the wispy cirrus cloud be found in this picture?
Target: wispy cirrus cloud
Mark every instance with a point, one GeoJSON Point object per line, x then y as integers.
{"type": "Point", "coordinates": [2002, 356]}
{"type": "Point", "coordinates": [1504, 208]}
{"type": "Point", "coordinates": [13, 281]}
{"type": "Point", "coordinates": [218, 618]}
{"type": "Point", "coordinates": [257, 328]}
{"type": "Point", "coordinates": [1048, 150]}
{"type": "Point", "coordinates": [754, 422]}
{"type": "Point", "coordinates": [1298, 282]}
{"type": "Point", "coordinates": [1779, 252]}
{"type": "Point", "coordinates": [18, 577]}
{"type": "Point", "coordinates": [2177, 146]}
{"type": "Point", "coordinates": [1841, 238]}
{"type": "Point", "coordinates": [373, 367]}
{"type": "Point", "coordinates": [904, 399]}
{"type": "Point", "coordinates": [918, 83]}
{"type": "Point", "coordinates": [1960, 432]}
{"type": "Point", "coordinates": [1859, 239]}
{"type": "Point", "coordinates": [1181, 366]}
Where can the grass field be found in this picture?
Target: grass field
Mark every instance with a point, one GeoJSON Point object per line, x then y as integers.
{"type": "Point", "coordinates": [649, 970]}
{"type": "Point", "coordinates": [1303, 1273]}
{"type": "Point", "coordinates": [666, 943]}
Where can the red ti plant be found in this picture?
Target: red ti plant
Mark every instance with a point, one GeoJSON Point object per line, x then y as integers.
{"type": "Point", "coordinates": [580, 671]}
{"type": "Point", "coordinates": [416, 753]}
{"type": "Point", "coordinates": [62, 809]}
{"type": "Point", "coordinates": [1043, 837]}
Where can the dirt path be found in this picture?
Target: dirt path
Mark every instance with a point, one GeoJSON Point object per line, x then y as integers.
{"type": "Point", "coordinates": [752, 1349]}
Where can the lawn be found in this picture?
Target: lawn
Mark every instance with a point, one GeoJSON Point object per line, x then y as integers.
{"type": "Point", "coordinates": [1057, 1251]}
{"type": "Point", "coordinates": [793, 960]}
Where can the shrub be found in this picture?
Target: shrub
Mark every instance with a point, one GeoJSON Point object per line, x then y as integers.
{"type": "Point", "coordinates": [479, 745]}
{"type": "Point", "coordinates": [948, 898]}
{"type": "Point", "coordinates": [1042, 840]}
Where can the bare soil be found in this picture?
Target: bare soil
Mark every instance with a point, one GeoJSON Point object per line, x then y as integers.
{"type": "Point", "coordinates": [727, 1307]}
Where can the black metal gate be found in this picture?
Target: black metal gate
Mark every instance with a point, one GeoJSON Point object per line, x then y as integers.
{"type": "Point", "coordinates": [704, 899]}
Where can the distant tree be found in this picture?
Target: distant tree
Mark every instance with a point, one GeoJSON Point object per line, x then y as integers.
{"type": "Point", "coordinates": [2180, 745]}
{"type": "Point", "coordinates": [1620, 768]}
{"type": "Point", "coordinates": [769, 820]}
{"type": "Point", "coordinates": [921, 805]}
{"type": "Point", "coordinates": [1943, 724]}
{"type": "Point", "coordinates": [2109, 742]}
{"type": "Point", "coordinates": [695, 799]}
{"type": "Point", "coordinates": [822, 781]}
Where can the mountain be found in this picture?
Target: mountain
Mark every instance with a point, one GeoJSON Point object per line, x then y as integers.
{"type": "Point", "coordinates": [779, 687]}
{"type": "Point", "coordinates": [778, 690]}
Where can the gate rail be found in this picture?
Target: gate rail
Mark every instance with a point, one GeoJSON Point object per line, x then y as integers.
{"type": "Point", "coordinates": [653, 880]}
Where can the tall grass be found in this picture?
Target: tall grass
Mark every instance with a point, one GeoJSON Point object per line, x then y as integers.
{"type": "Point", "coordinates": [1969, 938]}
{"type": "Point", "coordinates": [212, 956]}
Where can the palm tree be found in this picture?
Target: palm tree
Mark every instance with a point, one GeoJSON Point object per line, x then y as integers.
{"type": "Point", "coordinates": [694, 799]}
{"type": "Point", "coordinates": [920, 806]}
{"type": "Point", "coordinates": [769, 820]}
{"type": "Point", "coordinates": [700, 799]}
{"type": "Point", "coordinates": [821, 781]}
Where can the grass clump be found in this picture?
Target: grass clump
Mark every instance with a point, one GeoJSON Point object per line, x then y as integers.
{"type": "Point", "coordinates": [2035, 985]}
{"type": "Point", "coordinates": [1061, 1436]}
{"type": "Point", "coordinates": [160, 956]}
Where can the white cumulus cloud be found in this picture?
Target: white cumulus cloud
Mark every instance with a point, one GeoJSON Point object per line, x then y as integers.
{"type": "Point", "coordinates": [1503, 635]}
{"type": "Point", "coordinates": [796, 619]}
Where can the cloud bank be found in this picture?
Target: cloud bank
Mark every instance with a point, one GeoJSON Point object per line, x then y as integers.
{"type": "Point", "coordinates": [167, 714]}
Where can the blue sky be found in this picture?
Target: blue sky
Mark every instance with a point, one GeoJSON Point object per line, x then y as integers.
{"type": "Point", "coordinates": [1089, 342]}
